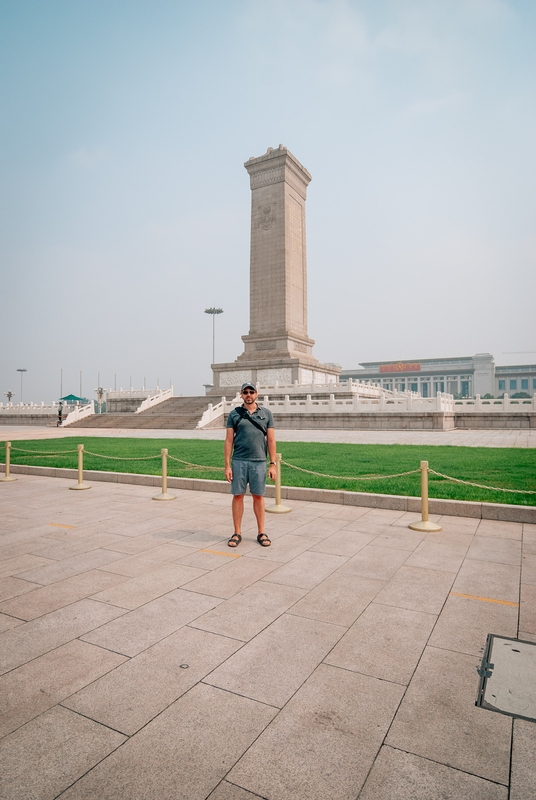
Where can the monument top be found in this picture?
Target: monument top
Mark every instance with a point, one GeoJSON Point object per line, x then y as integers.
{"type": "Point", "coordinates": [276, 166]}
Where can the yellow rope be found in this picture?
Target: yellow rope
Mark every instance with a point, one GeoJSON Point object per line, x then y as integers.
{"type": "Point", "coordinates": [350, 477]}
{"type": "Point", "coordinates": [480, 486]}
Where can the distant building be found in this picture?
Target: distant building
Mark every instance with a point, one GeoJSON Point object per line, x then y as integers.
{"type": "Point", "coordinates": [465, 377]}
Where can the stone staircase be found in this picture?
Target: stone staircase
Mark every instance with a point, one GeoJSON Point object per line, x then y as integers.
{"type": "Point", "coordinates": [177, 413]}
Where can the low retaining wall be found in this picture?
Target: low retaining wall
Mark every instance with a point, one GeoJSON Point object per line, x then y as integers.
{"type": "Point", "coordinates": [372, 421]}
{"type": "Point", "coordinates": [454, 508]}
{"type": "Point", "coordinates": [30, 419]}
{"type": "Point", "coordinates": [496, 420]}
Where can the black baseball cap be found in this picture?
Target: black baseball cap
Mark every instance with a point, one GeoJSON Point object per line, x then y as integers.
{"type": "Point", "coordinates": [248, 385]}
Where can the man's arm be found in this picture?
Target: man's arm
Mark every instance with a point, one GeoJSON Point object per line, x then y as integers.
{"type": "Point", "coordinates": [270, 440]}
{"type": "Point", "coordinates": [227, 453]}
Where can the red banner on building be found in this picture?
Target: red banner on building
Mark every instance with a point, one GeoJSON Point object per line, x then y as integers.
{"type": "Point", "coordinates": [400, 367]}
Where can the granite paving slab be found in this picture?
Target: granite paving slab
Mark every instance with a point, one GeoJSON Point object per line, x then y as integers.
{"type": "Point", "coordinates": [245, 614]}
{"type": "Point", "coordinates": [154, 582]}
{"type": "Point", "coordinates": [134, 693]}
{"type": "Point", "coordinates": [45, 599]}
{"type": "Point", "coordinates": [48, 754]}
{"type": "Point", "coordinates": [7, 623]}
{"type": "Point", "coordinates": [229, 791]}
{"type": "Point", "coordinates": [139, 629]}
{"type": "Point", "coordinates": [339, 599]}
{"type": "Point", "coordinates": [22, 564]}
{"type": "Point", "coordinates": [206, 726]}
{"type": "Point", "coordinates": [465, 623]}
{"type": "Point", "coordinates": [40, 684]}
{"type": "Point", "coordinates": [375, 562]}
{"type": "Point", "coordinates": [431, 555]}
{"type": "Point", "coordinates": [59, 570]}
{"type": "Point", "coordinates": [488, 579]}
{"type": "Point", "coordinates": [13, 587]}
{"type": "Point", "coordinates": [503, 551]}
{"type": "Point", "coordinates": [41, 635]}
{"type": "Point", "coordinates": [384, 642]}
{"type": "Point", "coordinates": [400, 776]}
{"type": "Point", "coordinates": [233, 576]}
{"type": "Point", "coordinates": [324, 742]}
{"type": "Point", "coordinates": [523, 779]}
{"type": "Point", "coordinates": [438, 719]}
{"type": "Point", "coordinates": [527, 610]}
{"type": "Point", "coordinates": [307, 570]}
{"type": "Point", "coordinates": [273, 665]}
{"type": "Point", "coordinates": [417, 589]}
{"type": "Point", "coordinates": [343, 543]}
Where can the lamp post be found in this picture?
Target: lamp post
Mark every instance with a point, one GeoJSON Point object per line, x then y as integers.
{"type": "Point", "coordinates": [10, 395]}
{"type": "Point", "coordinates": [22, 371]}
{"type": "Point", "coordinates": [213, 312]}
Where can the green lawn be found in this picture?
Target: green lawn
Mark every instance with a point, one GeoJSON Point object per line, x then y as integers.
{"type": "Point", "coordinates": [508, 468]}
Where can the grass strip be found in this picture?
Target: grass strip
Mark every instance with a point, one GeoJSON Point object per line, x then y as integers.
{"type": "Point", "coordinates": [510, 468]}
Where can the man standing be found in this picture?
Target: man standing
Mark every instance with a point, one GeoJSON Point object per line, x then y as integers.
{"type": "Point", "coordinates": [250, 434]}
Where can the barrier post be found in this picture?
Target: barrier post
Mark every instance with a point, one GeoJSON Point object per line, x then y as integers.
{"type": "Point", "coordinates": [81, 484]}
{"type": "Point", "coordinates": [164, 495]}
{"type": "Point", "coordinates": [7, 476]}
{"type": "Point", "coordinates": [424, 524]}
{"type": "Point", "coordinates": [278, 508]}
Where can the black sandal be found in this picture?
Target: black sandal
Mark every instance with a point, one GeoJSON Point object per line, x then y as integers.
{"type": "Point", "coordinates": [263, 540]}
{"type": "Point", "coordinates": [235, 540]}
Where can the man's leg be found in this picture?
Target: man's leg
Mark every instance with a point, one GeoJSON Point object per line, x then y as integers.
{"type": "Point", "coordinates": [258, 510]}
{"type": "Point", "coordinates": [238, 512]}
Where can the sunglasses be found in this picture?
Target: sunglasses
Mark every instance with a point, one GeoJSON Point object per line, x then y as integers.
{"type": "Point", "coordinates": [249, 391]}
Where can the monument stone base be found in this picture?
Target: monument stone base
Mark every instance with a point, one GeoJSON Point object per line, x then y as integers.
{"type": "Point", "coordinates": [284, 371]}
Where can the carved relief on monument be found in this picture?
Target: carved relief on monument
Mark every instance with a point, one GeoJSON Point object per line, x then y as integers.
{"type": "Point", "coordinates": [267, 177]}
{"type": "Point", "coordinates": [271, 376]}
{"type": "Point", "coordinates": [265, 345]}
{"type": "Point", "coordinates": [301, 348]}
{"type": "Point", "coordinates": [266, 216]}
{"type": "Point", "coordinates": [306, 376]}
{"type": "Point", "coordinates": [319, 377]}
{"type": "Point", "coordinates": [235, 378]}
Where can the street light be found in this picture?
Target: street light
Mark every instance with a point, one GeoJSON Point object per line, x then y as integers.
{"type": "Point", "coordinates": [21, 373]}
{"type": "Point", "coordinates": [213, 312]}
{"type": "Point", "coordinates": [10, 395]}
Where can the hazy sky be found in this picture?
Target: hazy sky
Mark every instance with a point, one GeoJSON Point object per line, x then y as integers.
{"type": "Point", "coordinates": [125, 204]}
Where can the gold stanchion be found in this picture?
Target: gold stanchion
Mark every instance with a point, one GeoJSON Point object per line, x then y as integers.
{"type": "Point", "coordinates": [424, 524]}
{"type": "Point", "coordinates": [164, 495]}
{"type": "Point", "coordinates": [81, 484]}
{"type": "Point", "coordinates": [278, 508]}
{"type": "Point", "coordinates": [7, 476]}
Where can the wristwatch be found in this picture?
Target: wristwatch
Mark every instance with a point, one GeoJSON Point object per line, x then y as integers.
{"type": "Point", "coordinates": [272, 462]}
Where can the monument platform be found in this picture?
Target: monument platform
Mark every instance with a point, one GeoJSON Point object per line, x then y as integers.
{"type": "Point", "coordinates": [140, 657]}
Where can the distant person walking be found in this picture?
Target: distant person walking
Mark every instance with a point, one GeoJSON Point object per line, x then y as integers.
{"type": "Point", "coordinates": [60, 412]}
{"type": "Point", "coordinates": [250, 436]}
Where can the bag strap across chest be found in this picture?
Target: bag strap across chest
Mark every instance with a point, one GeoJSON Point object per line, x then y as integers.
{"type": "Point", "coordinates": [243, 414]}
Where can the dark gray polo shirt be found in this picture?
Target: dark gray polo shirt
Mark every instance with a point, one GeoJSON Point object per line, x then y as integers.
{"type": "Point", "coordinates": [249, 442]}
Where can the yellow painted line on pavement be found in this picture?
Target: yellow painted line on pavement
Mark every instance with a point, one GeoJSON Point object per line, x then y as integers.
{"type": "Point", "coordinates": [485, 599]}
{"type": "Point", "coordinates": [219, 553]}
{"type": "Point", "coordinates": [59, 525]}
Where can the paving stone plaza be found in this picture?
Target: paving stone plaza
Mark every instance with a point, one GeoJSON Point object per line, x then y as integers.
{"type": "Point", "coordinates": [141, 659]}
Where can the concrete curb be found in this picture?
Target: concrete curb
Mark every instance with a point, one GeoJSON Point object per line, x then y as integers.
{"type": "Point", "coordinates": [453, 508]}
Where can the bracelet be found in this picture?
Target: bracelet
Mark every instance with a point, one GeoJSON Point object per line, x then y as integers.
{"type": "Point", "coordinates": [272, 462]}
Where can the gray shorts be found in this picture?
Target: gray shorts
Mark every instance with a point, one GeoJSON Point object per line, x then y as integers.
{"type": "Point", "coordinates": [252, 472]}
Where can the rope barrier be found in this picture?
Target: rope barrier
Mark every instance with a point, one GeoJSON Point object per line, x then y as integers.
{"type": "Point", "coordinates": [191, 465]}
{"type": "Point", "coordinates": [37, 454]}
{"type": "Point", "coordinates": [196, 466]}
{"type": "Point", "coordinates": [480, 486]}
{"type": "Point", "coordinates": [351, 477]}
{"type": "Point", "coordinates": [121, 458]}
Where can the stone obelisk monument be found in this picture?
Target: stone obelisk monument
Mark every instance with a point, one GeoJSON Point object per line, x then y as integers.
{"type": "Point", "coordinates": [277, 347]}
